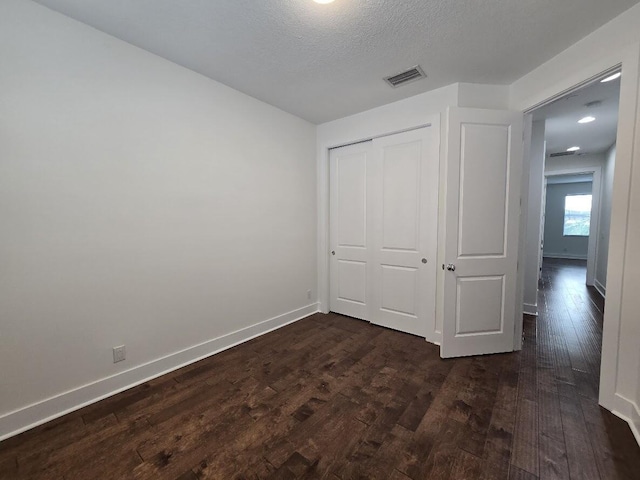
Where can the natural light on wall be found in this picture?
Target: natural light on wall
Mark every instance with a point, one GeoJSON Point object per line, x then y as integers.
{"type": "Point", "coordinates": [577, 215]}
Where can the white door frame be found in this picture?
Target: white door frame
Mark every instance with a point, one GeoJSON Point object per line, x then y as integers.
{"type": "Point", "coordinates": [400, 124]}
{"type": "Point", "coordinates": [594, 227]}
{"type": "Point", "coordinates": [543, 219]}
{"type": "Point", "coordinates": [629, 60]}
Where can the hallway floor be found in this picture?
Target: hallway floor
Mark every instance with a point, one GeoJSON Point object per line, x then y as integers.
{"type": "Point", "coordinates": [337, 398]}
{"type": "Point", "coordinates": [559, 377]}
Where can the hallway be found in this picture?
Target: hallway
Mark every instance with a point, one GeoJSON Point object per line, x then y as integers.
{"type": "Point", "coordinates": [576, 438]}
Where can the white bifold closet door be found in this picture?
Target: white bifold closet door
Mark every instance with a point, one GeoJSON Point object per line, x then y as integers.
{"type": "Point", "coordinates": [383, 229]}
{"type": "Point", "coordinates": [350, 231]}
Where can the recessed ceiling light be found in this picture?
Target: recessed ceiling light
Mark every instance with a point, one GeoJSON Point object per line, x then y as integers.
{"type": "Point", "coordinates": [323, 1]}
{"type": "Point", "coordinates": [573, 149]}
{"type": "Point", "coordinates": [611, 77]}
{"type": "Point", "coordinates": [588, 119]}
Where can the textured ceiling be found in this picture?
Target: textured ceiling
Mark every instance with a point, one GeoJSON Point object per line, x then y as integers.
{"type": "Point", "coordinates": [562, 129]}
{"type": "Point", "coordinates": [323, 62]}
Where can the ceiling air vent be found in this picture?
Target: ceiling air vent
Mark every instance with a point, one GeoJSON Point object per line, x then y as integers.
{"type": "Point", "coordinates": [561, 154]}
{"type": "Point", "coordinates": [594, 104]}
{"type": "Point", "coordinates": [411, 75]}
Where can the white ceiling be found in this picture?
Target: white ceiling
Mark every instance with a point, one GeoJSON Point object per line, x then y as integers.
{"type": "Point", "coordinates": [323, 62]}
{"type": "Point", "coordinates": [562, 129]}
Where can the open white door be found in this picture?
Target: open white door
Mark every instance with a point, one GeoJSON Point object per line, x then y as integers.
{"type": "Point", "coordinates": [543, 219]}
{"type": "Point", "coordinates": [404, 201]}
{"type": "Point", "coordinates": [484, 170]}
{"type": "Point", "coordinates": [350, 236]}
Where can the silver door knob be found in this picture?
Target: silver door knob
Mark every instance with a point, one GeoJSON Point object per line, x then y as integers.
{"type": "Point", "coordinates": [451, 267]}
{"type": "Point", "coordinates": [333, 252]}
{"type": "Point", "coordinates": [424, 260]}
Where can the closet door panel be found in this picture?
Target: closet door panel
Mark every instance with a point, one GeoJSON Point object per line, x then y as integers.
{"type": "Point", "coordinates": [404, 213]}
{"type": "Point", "coordinates": [350, 239]}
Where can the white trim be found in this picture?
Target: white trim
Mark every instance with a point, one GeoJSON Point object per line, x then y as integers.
{"type": "Point", "coordinates": [529, 309]}
{"type": "Point", "coordinates": [629, 412]}
{"type": "Point", "coordinates": [620, 210]}
{"type": "Point", "coordinates": [574, 88]}
{"type": "Point", "coordinates": [602, 290]}
{"type": "Point", "coordinates": [634, 424]}
{"type": "Point", "coordinates": [522, 234]}
{"type": "Point", "coordinates": [36, 414]}
{"type": "Point", "coordinates": [382, 135]}
{"type": "Point", "coordinates": [567, 256]}
{"type": "Point", "coordinates": [368, 128]}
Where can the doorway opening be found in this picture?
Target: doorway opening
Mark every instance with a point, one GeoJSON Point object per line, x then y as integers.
{"type": "Point", "coordinates": [572, 163]}
{"type": "Point", "coordinates": [571, 171]}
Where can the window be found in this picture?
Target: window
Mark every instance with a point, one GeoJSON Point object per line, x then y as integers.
{"type": "Point", "coordinates": [577, 215]}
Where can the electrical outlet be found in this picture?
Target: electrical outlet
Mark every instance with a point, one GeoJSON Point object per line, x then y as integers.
{"type": "Point", "coordinates": [308, 294]}
{"type": "Point", "coordinates": [119, 353]}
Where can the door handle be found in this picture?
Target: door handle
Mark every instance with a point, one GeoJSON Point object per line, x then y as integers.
{"type": "Point", "coordinates": [424, 260]}
{"type": "Point", "coordinates": [333, 252]}
{"type": "Point", "coordinates": [451, 267]}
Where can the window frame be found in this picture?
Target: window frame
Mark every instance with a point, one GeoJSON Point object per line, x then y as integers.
{"type": "Point", "coordinates": [564, 214]}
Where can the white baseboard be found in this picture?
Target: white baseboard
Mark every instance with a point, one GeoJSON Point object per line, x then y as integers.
{"type": "Point", "coordinates": [634, 423]}
{"type": "Point", "coordinates": [36, 414]}
{"type": "Point", "coordinates": [529, 309]}
{"type": "Point", "coordinates": [602, 290]}
{"type": "Point", "coordinates": [629, 412]}
{"type": "Point", "coordinates": [566, 256]}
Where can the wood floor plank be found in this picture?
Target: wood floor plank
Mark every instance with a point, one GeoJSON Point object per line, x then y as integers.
{"type": "Point", "coordinates": [611, 460]}
{"type": "Point", "coordinates": [467, 467]}
{"type": "Point", "coordinates": [550, 422]}
{"type": "Point", "coordinates": [516, 473]}
{"type": "Point", "coordinates": [525, 444]}
{"type": "Point", "coordinates": [580, 455]}
{"type": "Point", "coordinates": [377, 432]}
{"type": "Point", "coordinates": [444, 453]}
{"type": "Point", "coordinates": [446, 405]}
{"type": "Point", "coordinates": [476, 428]}
{"type": "Point", "coordinates": [499, 444]}
{"type": "Point", "coordinates": [416, 410]}
{"type": "Point", "coordinates": [381, 465]}
{"type": "Point", "coordinates": [553, 459]}
{"type": "Point", "coordinates": [9, 467]}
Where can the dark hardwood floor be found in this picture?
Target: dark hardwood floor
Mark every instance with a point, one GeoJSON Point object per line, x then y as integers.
{"type": "Point", "coordinates": [332, 397]}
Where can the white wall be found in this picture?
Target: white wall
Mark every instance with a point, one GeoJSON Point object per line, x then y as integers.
{"type": "Point", "coordinates": [602, 255]}
{"type": "Point", "coordinates": [474, 95]}
{"type": "Point", "coordinates": [617, 42]}
{"type": "Point", "coordinates": [531, 252]}
{"type": "Point", "coordinates": [141, 204]}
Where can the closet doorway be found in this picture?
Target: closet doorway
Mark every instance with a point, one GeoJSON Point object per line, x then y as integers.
{"type": "Point", "coordinates": [383, 229]}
